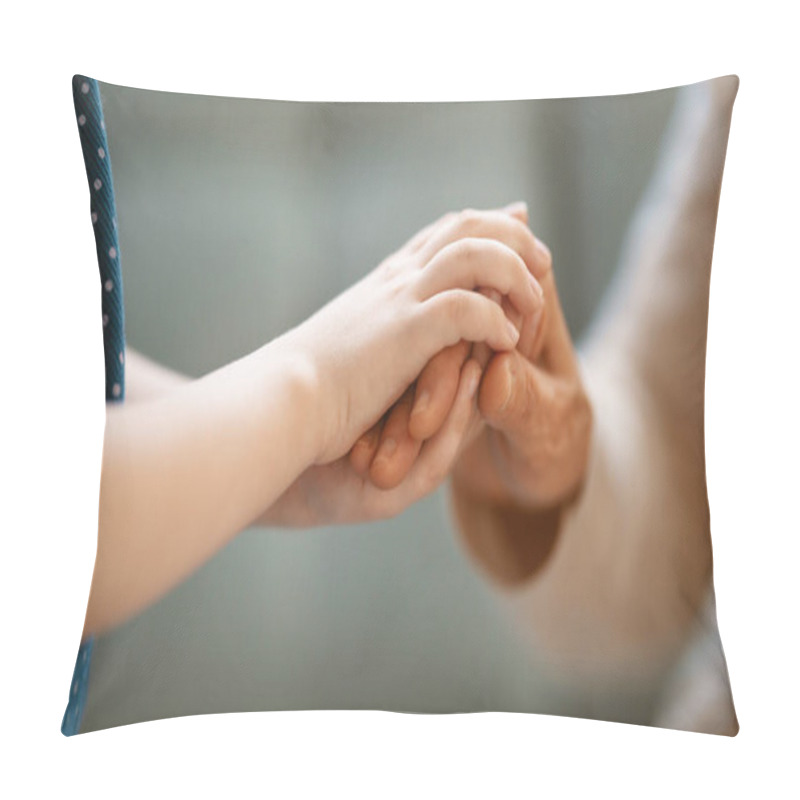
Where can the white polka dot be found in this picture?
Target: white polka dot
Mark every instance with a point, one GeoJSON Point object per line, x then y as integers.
{"type": "Point", "coordinates": [114, 222]}
{"type": "Point", "coordinates": [105, 320]}
{"type": "Point", "coordinates": [121, 358]}
{"type": "Point", "coordinates": [109, 285]}
{"type": "Point", "coordinates": [97, 183]}
{"type": "Point", "coordinates": [85, 88]}
{"type": "Point", "coordinates": [103, 124]}
{"type": "Point", "coordinates": [116, 390]}
{"type": "Point", "coordinates": [112, 251]}
{"type": "Point", "coordinates": [101, 152]}
{"type": "Point", "coordinates": [81, 120]}
{"type": "Point", "coordinates": [94, 217]}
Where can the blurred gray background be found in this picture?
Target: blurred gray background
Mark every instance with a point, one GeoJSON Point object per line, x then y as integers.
{"type": "Point", "coordinates": [237, 220]}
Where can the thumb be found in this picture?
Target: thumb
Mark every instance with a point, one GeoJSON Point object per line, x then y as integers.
{"type": "Point", "coordinates": [512, 392]}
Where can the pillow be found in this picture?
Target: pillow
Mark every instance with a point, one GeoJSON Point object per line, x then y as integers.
{"type": "Point", "coordinates": [94, 143]}
{"type": "Point", "coordinates": [560, 564]}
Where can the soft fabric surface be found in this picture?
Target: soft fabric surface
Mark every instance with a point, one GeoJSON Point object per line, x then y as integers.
{"type": "Point", "coordinates": [96, 156]}
{"type": "Point", "coordinates": [217, 198]}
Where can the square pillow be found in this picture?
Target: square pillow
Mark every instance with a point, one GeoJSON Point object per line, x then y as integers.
{"type": "Point", "coordinates": [504, 586]}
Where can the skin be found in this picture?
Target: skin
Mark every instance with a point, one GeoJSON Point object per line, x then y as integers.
{"type": "Point", "coordinates": [587, 507]}
{"type": "Point", "coordinates": [343, 491]}
{"type": "Point", "coordinates": [622, 574]}
{"type": "Point", "coordinates": [387, 451]}
{"type": "Point", "coordinates": [527, 464]}
{"type": "Point", "coordinates": [527, 454]}
{"type": "Point", "coordinates": [606, 567]}
{"type": "Point", "coordinates": [184, 472]}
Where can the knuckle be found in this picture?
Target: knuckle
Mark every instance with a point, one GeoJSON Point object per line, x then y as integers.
{"type": "Point", "coordinates": [517, 264]}
{"type": "Point", "coordinates": [468, 249]}
{"type": "Point", "coordinates": [468, 218]}
{"type": "Point", "coordinates": [393, 266]}
{"type": "Point", "coordinates": [497, 316]}
{"type": "Point", "coordinates": [399, 284]}
{"type": "Point", "coordinates": [457, 307]}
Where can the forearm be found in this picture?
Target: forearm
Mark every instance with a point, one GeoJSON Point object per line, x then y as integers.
{"type": "Point", "coordinates": [608, 585]}
{"type": "Point", "coordinates": [146, 379]}
{"type": "Point", "coordinates": [633, 560]}
{"type": "Point", "coordinates": [185, 473]}
{"type": "Point", "coordinates": [605, 589]}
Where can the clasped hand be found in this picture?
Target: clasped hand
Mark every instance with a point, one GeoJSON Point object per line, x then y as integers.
{"type": "Point", "coordinates": [452, 356]}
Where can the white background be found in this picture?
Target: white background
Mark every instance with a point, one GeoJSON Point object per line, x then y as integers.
{"type": "Point", "coordinates": [52, 386]}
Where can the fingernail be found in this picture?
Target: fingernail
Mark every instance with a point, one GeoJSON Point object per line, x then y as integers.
{"type": "Point", "coordinates": [422, 402]}
{"type": "Point", "coordinates": [519, 206]}
{"type": "Point", "coordinates": [513, 333]}
{"type": "Point", "coordinates": [508, 379]}
{"type": "Point", "coordinates": [537, 287]}
{"type": "Point", "coordinates": [387, 448]}
{"type": "Point", "coordinates": [472, 386]}
{"type": "Point", "coordinates": [544, 251]}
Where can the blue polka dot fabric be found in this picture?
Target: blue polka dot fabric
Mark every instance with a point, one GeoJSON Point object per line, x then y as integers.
{"type": "Point", "coordinates": [94, 143]}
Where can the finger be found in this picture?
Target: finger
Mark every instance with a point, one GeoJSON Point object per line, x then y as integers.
{"type": "Point", "coordinates": [544, 336]}
{"type": "Point", "coordinates": [481, 352]}
{"type": "Point", "coordinates": [421, 237]}
{"type": "Point", "coordinates": [437, 455]}
{"type": "Point", "coordinates": [518, 210]}
{"type": "Point", "coordinates": [363, 451]}
{"type": "Point", "coordinates": [446, 318]}
{"type": "Point", "coordinates": [512, 393]}
{"type": "Point", "coordinates": [436, 389]}
{"type": "Point", "coordinates": [517, 319]}
{"type": "Point", "coordinates": [498, 225]}
{"type": "Point", "coordinates": [397, 450]}
{"type": "Point", "coordinates": [440, 451]}
{"type": "Point", "coordinates": [481, 263]}
{"type": "Point", "coordinates": [545, 425]}
{"type": "Point", "coordinates": [559, 350]}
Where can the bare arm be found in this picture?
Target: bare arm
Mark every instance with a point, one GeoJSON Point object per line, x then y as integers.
{"type": "Point", "coordinates": [183, 473]}
{"type": "Point", "coordinates": [146, 379]}
{"type": "Point", "coordinates": [192, 463]}
{"type": "Point", "coordinates": [608, 582]}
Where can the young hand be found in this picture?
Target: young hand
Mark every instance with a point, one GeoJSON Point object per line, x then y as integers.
{"type": "Point", "coordinates": [334, 491]}
{"type": "Point", "coordinates": [387, 452]}
{"type": "Point", "coordinates": [367, 346]}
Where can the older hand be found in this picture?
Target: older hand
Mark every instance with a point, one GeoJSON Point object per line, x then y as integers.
{"type": "Point", "coordinates": [533, 450]}
{"type": "Point", "coordinates": [511, 484]}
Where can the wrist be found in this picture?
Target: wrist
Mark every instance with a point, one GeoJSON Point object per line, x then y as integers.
{"type": "Point", "coordinates": [509, 544]}
{"type": "Point", "coordinates": [304, 386]}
